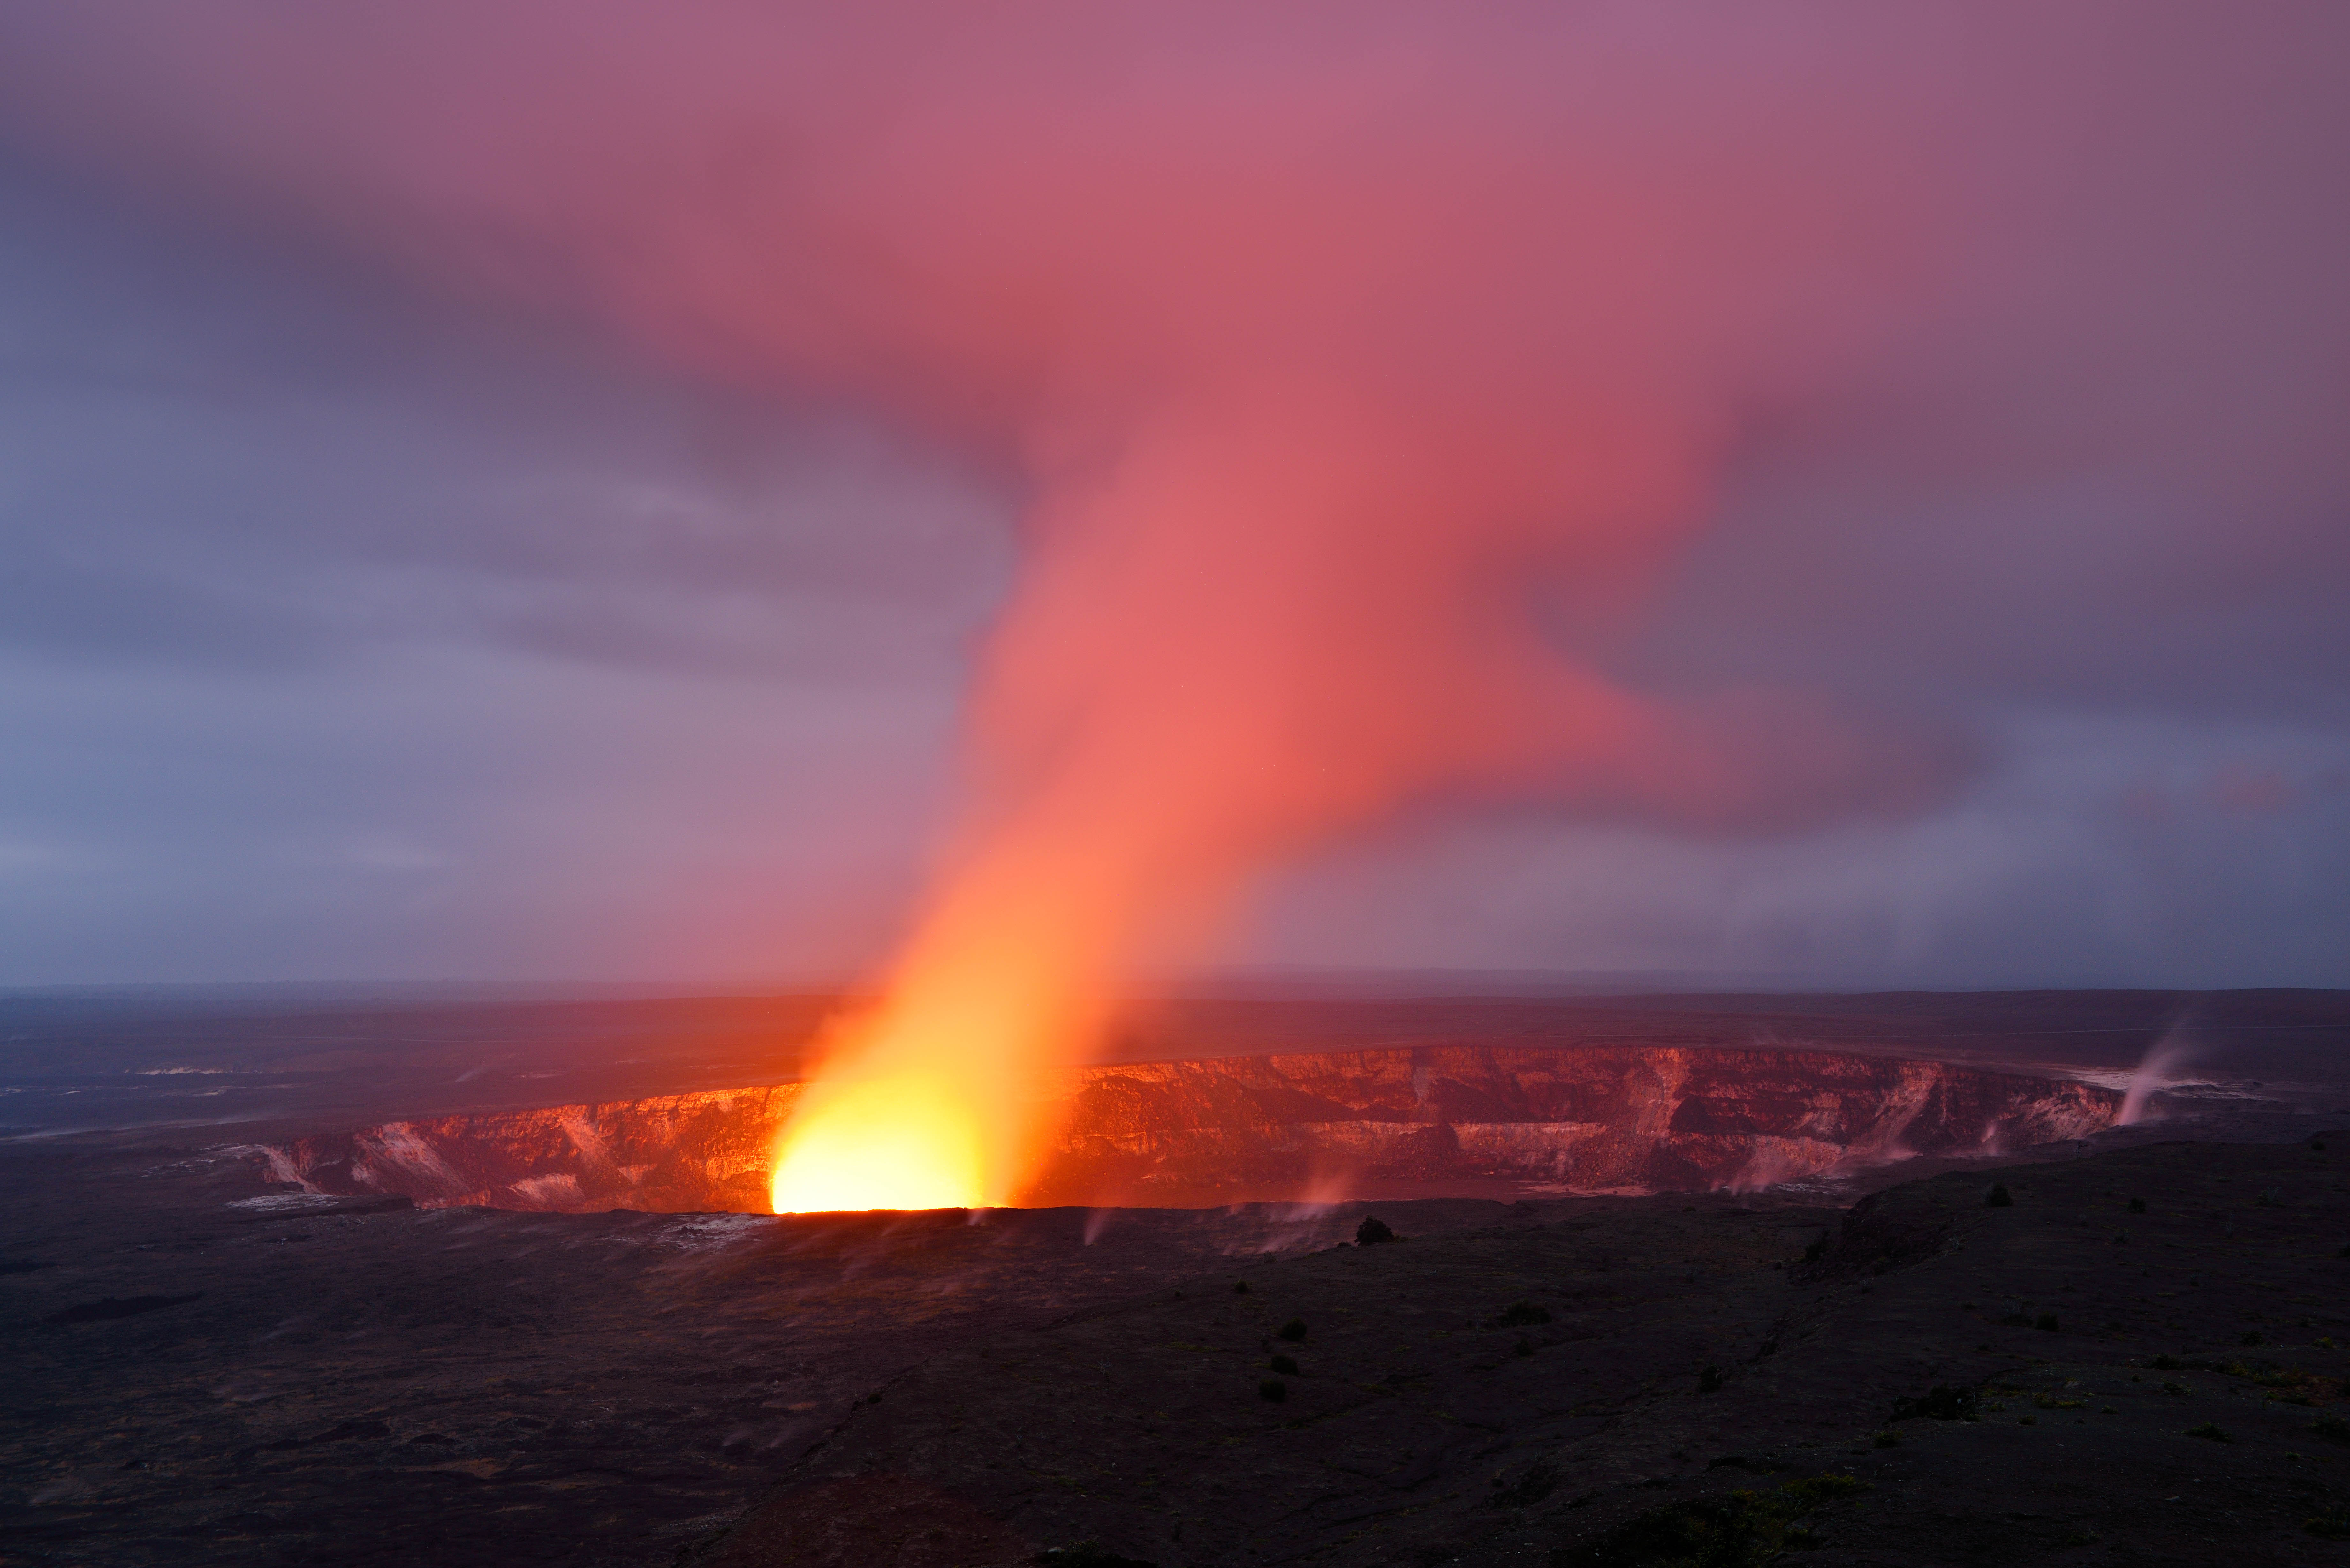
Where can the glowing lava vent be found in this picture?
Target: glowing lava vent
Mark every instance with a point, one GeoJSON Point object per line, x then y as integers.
{"type": "Point", "coordinates": [930, 1100]}
{"type": "Point", "coordinates": [910, 1141]}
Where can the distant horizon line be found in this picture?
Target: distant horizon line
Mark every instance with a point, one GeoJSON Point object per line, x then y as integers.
{"type": "Point", "coordinates": [1256, 983]}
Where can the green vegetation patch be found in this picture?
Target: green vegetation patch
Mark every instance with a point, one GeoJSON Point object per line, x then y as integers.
{"type": "Point", "coordinates": [2291, 1385]}
{"type": "Point", "coordinates": [2334, 1524]}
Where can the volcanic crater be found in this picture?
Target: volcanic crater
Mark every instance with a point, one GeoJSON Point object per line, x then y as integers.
{"type": "Point", "coordinates": [1421, 1121]}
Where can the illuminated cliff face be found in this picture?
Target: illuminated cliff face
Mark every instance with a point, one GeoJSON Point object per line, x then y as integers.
{"type": "Point", "coordinates": [1590, 1119]}
{"type": "Point", "coordinates": [1386, 1123]}
{"type": "Point", "coordinates": [673, 1153]}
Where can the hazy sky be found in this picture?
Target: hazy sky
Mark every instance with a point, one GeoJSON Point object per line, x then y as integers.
{"type": "Point", "coordinates": [395, 585]}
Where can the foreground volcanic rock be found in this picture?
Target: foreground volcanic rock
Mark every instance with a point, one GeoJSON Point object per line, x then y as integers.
{"type": "Point", "coordinates": [206, 1370]}
{"type": "Point", "coordinates": [2143, 1357]}
{"type": "Point", "coordinates": [1423, 1119]}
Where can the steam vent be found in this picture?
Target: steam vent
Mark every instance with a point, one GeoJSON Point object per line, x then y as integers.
{"type": "Point", "coordinates": [1447, 1119]}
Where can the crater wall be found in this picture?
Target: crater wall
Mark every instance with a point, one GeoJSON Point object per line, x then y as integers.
{"type": "Point", "coordinates": [1274, 1127]}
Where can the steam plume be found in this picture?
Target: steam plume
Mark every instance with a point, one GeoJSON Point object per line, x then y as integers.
{"type": "Point", "coordinates": [2156, 1071]}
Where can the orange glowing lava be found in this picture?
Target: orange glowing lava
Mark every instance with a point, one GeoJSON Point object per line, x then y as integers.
{"type": "Point", "coordinates": [910, 1141]}
{"type": "Point", "coordinates": [930, 1100]}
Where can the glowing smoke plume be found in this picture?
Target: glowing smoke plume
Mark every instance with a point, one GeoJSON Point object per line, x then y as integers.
{"type": "Point", "coordinates": [1359, 367]}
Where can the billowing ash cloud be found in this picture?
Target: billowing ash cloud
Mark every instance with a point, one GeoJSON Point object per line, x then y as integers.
{"type": "Point", "coordinates": [1366, 370]}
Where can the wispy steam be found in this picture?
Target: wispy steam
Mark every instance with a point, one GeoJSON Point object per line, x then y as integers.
{"type": "Point", "coordinates": [2156, 1071]}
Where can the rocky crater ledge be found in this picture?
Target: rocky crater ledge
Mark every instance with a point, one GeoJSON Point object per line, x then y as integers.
{"type": "Point", "coordinates": [1621, 1119]}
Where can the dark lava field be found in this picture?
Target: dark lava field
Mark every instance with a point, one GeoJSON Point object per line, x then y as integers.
{"type": "Point", "coordinates": [2140, 1357]}
{"type": "Point", "coordinates": [2065, 1379]}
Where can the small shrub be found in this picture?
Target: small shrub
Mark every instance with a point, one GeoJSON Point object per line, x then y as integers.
{"type": "Point", "coordinates": [1523, 1315]}
{"type": "Point", "coordinates": [1372, 1232]}
{"type": "Point", "coordinates": [2333, 1428]}
{"type": "Point", "coordinates": [1293, 1331]}
{"type": "Point", "coordinates": [1272, 1388]}
{"type": "Point", "coordinates": [2165, 1364]}
{"type": "Point", "coordinates": [2286, 1378]}
{"type": "Point", "coordinates": [1709, 1380]}
{"type": "Point", "coordinates": [2210, 1432]}
{"type": "Point", "coordinates": [1285, 1364]}
{"type": "Point", "coordinates": [1240, 1287]}
{"type": "Point", "coordinates": [2137, 1205]}
{"type": "Point", "coordinates": [1998, 1197]}
{"type": "Point", "coordinates": [2334, 1524]}
{"type": "Point", "coordinates": [1817, 1249]}
{"type": "Point", "coordinates": [2176, 1390]}
{"type": "Point", "coordinates": [1886, 1439]}
{"type": "Point", "coordinates": [1524, 1347]}
{"type": "Point", "coordinates": [2251, 1336]}
{"type": "Point", "coordinates": [2029, 1420]}
{"type": "Point", "coordinates": [2045, 1322]}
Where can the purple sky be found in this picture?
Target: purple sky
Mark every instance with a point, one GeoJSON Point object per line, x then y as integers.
{"type": "Point", "coordinates": [371, 610]}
